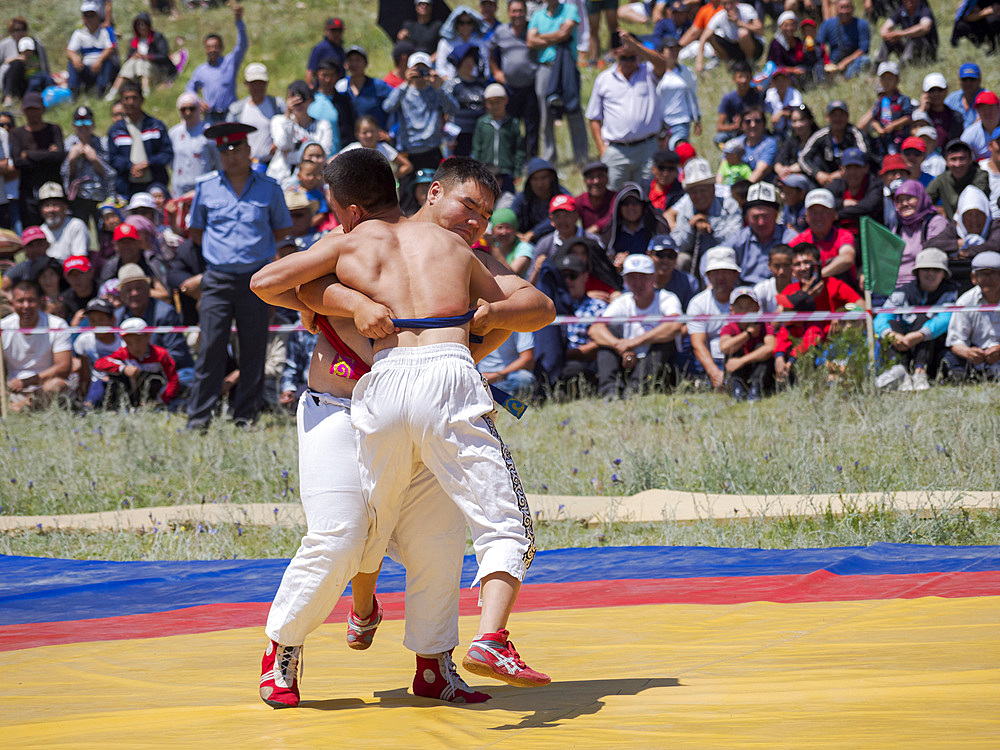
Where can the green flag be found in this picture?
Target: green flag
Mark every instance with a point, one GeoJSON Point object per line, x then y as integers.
{"type": "Point", "coordinates": [881, 253]}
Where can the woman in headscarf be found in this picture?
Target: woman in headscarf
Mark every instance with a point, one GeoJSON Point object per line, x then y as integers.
{"type": "Point", "coordinates": [604, 281]}
{"type": "Point", "coordinates": [972, 231]}
{"type": "Point", "coordinates": [918, 223]}
{"type": "Point", "coordinates": [633, 224]}
{"type": "Point", "coordinates": [464, 25]}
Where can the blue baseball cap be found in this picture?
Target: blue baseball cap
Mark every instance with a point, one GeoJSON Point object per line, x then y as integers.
{"type": "Point", "coordinates": [995, 135]}
{"type": "Point", "coordinates": [969, 70]}
{"type": "Point", "coordinates": [853, 156]}
{"type": "Point", "coordinates": [660, 243]}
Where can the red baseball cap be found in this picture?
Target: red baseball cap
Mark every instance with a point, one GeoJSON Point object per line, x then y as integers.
{"type": "Point", "coordinates": [126, 231]}
{"type": "Point", "coordinates": [334, 23]}
{"type": "Point", "coordinates": [562, 203]}
{"type": "Point", "coordinates": [986, 97]}
{"type": "Point", "coordinates": [76, 263]}
{"type": "Point", "coordinates": [893, 163]}
{"type": "Point", "coordinates": [807, 22]}
{"type": "Point", "coordinates": [915, 142]}
{"type": "Point", "coordinates": [685, 151]}
{"type": "Point", "coordinates": [30, 234]}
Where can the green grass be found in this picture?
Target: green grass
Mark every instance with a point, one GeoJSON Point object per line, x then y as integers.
{"type": "Point", "coordinates": [283, 32]}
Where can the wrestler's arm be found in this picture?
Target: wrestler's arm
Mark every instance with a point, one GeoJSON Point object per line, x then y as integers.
{"type": "Point", "coordinates": [522, 308]}
{"type": "Point", "coordinates": [327, 296]}
{"type": "Point", "coordinates": [276, 282]}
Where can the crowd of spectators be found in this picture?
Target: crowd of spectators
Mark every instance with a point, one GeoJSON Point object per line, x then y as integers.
{"type": "Point", "coordinates": [143, 225]}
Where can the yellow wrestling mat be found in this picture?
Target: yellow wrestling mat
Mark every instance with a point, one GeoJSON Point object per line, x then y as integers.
{"type": "Point", "coordinates": [906, 673]}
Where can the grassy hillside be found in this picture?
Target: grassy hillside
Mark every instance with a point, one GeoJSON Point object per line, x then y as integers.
{"type": "Point", "coordinates": [282, 33]}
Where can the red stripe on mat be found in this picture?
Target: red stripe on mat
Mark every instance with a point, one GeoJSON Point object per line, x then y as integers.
{"type": "Point", "coordinates": [820, 586]}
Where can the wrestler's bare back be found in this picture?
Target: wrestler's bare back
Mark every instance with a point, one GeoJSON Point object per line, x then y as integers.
{"type": "Point", "coordinates": [417, 270]}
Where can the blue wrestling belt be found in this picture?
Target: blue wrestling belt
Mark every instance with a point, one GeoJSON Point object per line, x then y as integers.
{"type": "Point", "coordinates": [503, 399]}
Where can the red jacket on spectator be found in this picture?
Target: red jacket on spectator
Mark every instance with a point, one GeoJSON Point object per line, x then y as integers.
{"type": "Point", "coordinates": [830, 247]}
{"type": "Point", "coordinates": [835, 295]}
{"type": "Point", "coordinates": [157, 360]}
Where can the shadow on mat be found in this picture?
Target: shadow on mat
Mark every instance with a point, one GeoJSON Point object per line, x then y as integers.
{"type": "Point", "coordinates": [546, 706]}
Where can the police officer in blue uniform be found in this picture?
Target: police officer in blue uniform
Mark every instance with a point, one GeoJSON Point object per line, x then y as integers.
{"type": "Point", "coordinates": [237, 216]}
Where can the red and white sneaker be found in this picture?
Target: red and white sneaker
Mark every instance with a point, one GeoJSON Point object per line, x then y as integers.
{"type": "Point", "coordinates": [360, 633]}
{"type": "Point", "coordinates": [493, 655]}
{"type": "Point", "coordinates": [279, 671]}
{"type": "Point", "coordinates": [437, 678]}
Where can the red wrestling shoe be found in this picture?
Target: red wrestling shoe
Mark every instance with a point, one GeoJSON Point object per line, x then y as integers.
{"type": "Point", "coordinates": [493, 655]}
{"type": "Point", "coordinates": [437, 678]}
{"type": "Point", "coordinates": [360, 633]}
{"type": "Point", "coordinates": [279, 670]}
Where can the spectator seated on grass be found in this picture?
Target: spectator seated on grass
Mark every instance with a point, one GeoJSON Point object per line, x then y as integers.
{"type": "Point", "coordinates": [733, 168]}
{"type": "Point", "coordinates": [759, 146]}
{"type": "Point", "coordinates": [722, 273]}
{"type": "Point", "coordinates": [66, 234]}
{"type": "Point", "coordinates": [916, 340]}
{"type": "Point", "coordinates": [892, 114]}
{"type": "Point", "coordinates": [819, 158]}
{"type": "Point", "coordinates": [794, 189]}
{"type": "Point", "coordinates": [91, 52]}
{"type": "Point", "coordinates": [918, 224]}
{"type": "Point", "coordinates": [703, 217]}
{"type": "Point", "coordinates": [973, 339]}
{"type": "Point", "coordinates": [788, 52]}
{"type": "Point", "coordinates": [979, 134]}
{"type": "Point", "coordinates": [665, 188]}
{"type": "Point", "coordinates": [963, 100]}
{"type": "Point", "coordinates": [847, 38]}
{"type": "Point", "coordinates": [779, 268]}
{"type": "Point", "coordinates": [505, 246]}
{"type": "Point", "coordinates": [809, 291]}
{"type": "Point", "coordinates": [836, 245]}
{"type": "Point", "coordinates": [633, 357]}
{"type": "Point", "coordinates": [910, 32]}
{"type": "Point", "coordinates": [748, 349]}
{"type": "Point", "coordinates": [541, 185]}
{"type": "Point", "coordinates": [948, 123]}
{"type": "Point", "coordinates": [147, 59]}
{"type": "Point", "coordinates": [761, 232]}
{"type": "Point", "coordinates": [781, 99]}
{"type": "Point", "coordinates": [135, 291]}
{"type": "Point", "coordinates": [979, 22]}
{"type": "Point", "coordinates": [37, 365]}
{"type": "Point", "coordinates": [992, 168]}
{"type": "Point", "coordinates": [734, 33]}
{"type": "Point", "coordinates": [511, 366]}
{"type": "Point", "coordinates": [972, 231]}
{"type": "Point", "coordinates": [596, 204]}
{"type": "Point", "coordinates": [801, 126]}
{"type": "Point", "coordinates": [634, 223]}
{"type": "Point", "coordinates": [945, 189]}
{"type": "Point", "coordinates": [82, 288]}
{"type": "Point", "coordinates": [20, 71]}
{"type": "Point", "coordinates": [138, 371]}
{"type": "Point", "coordinates": [734, 103]}
{"type": "Point", "coordinates": [858, 193]}
{"type": "Point", "coordinates": [34, 244]}
{"type": "Point", "coordinates": [565, 220]}
{"type": "Point", "coordinates": [90, 347]}
{"type": "Point", "coordinates": [663, 251]}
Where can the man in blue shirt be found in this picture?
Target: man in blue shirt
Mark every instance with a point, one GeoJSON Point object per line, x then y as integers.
{"type": "Point", "coordinates": [331, 46]}
{"type": "Point", "coordinates": [963, 100]}
{"type": "Point", "coordinates": [215, 79]}
{"type": "Point", "coordinates": [237, 216]}
{"type": "Point", "coordinates": [847, 38]}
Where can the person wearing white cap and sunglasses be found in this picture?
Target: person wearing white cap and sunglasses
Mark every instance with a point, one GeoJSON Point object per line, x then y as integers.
{"type": "Point", "coordinates": [634, 356]}
{"type": "Point", "coordinates": [257, 110]}
{"type": "Point", "coordinates": [91, 53]}
{"type": "Point", "coordinates": [723, 274]}
{"type": "Point", "coordinates": [916, 340]}
{"type": "Point", "coordinates": [974, 337]}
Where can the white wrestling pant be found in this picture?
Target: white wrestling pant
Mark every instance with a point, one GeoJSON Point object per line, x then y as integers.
{"type": "Point", "coordinates": [428, 406]}
{"type": "Point", "coordinates": [429, 540]}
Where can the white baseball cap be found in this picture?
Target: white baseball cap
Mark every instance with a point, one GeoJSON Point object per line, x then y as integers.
{"type": "Point", "coordinates": [495, 91]}
{"type": "Point", "coordinates": [934, 81]}
{"type": "Point", "coordinates": [820, 197]}
{"type": "Point", "coordinates": [638, 264]}
{"type": "Point", "coordinates": [90, 6]}
{"type": "Point", "coordinates": [721, 258]}
{"type": "Point", "coordinates": [933, 258]}
{"type": "Point", "coordinates": [926, 132]}
{"type": "Point", "coordinates": [27, 44]}
{"type": "Point", "coordinates": [132, 325]}
{"type": "Point", "coordinates": [141, 200]}
{"type": "Point", "coordinates": [888, 67]}
{"type": "Point", "coordinates": [697, 171]}
{"type": "Point", "coordinates": [419, 58]}
{"type": "Point", "coordinates": [255, 72]}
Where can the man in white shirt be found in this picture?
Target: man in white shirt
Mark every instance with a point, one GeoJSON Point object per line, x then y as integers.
{"type": "Point", "coordinates": [974, 338]}
{"type": "Point", "coordinates": [625, 112]}
{"type": "Point", "coordinates": [734, 33]}
{"type": "Point", "coordinates": [91, 53]}
{"type": "Point", "coordinates": [723, 275]}
{"type": "Point", "coordinates": [37, 365]}
{"type": "Point", "coordinates": [66, 234]}
{"type": "Point", "coordinates": [638, 353]}
{"type": "Point", "coordinates": [991, 165]}
{"type": "Point", "coordinates": [257, 110]}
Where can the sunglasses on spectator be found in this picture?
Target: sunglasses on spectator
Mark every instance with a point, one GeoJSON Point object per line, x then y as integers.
{"type": "Point", "coordinates": [6, 124]}
{"type": "Point", "coordinates": [912, 151]}
{"type": "Point", "coordinates": [630, 202]}
{"type": "Point", "coordinates": [188, 109]}
{"type": "Point", "coordinates": [667, 167]}
{"type": "Point", "coordinates": [664, 253]}
{"type": "Point", "coordinates": [19, 28]}
{"type": "Point", "coordinates": [752, 121]}
{"type": "Point", "coordinates": [570, 275]}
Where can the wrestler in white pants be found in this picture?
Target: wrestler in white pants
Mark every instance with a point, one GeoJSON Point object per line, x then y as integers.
{"type": "Point", "coordinates": [428, 406]}
{"type": "Point", "coordinates": [429, 540]}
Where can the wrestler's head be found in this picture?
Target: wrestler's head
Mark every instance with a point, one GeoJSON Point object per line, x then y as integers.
{"type": "Point", "coordinates": [361, 184]}
{"type": "Point", "coordinates": [461, 197]}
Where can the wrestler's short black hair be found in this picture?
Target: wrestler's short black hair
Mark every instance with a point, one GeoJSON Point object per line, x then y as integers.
{"type": "Point", "coordinates": [458, 169]}
{"type": "Point", "coordinates": [362, 176]}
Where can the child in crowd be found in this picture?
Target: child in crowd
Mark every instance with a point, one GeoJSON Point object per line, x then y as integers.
{"type": "Point", "coordinates": [780, 99]}
{"type": "Point", "coordinates": [748, 348]}
{"type": "Point", "coordinates": [497, 140]}
{"type": "Point", "coordinates": [90, 347]}
{"type": "Point", "coordinates": [732, 169]}
{"type": "Point", "coordinates": [891, 115]}
{"type": "Point", "coordinates": [739, 191]}
{"type": "Point", "coordinates": [366, 130]}
{"type": "Point", "coordinates": [139, 370]}
{"type": "Point", "coordinates": [794, 188]}
{"type": "Point", "coordinates": [310, 178]}
{"type": "Point", "coordinates": [779, 263]}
